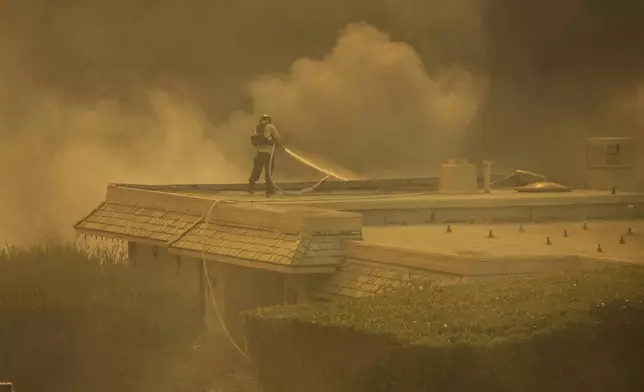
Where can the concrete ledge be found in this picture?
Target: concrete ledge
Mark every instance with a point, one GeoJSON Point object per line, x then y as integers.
{"type": "Point", "coordinates": [403, 257]}
{"type": "Point", "coordinates": [283, 217]}
{"type": "Point", "coordinates": [160, 200]}
{"type": "Point", "coordinates": [554, 212]}
{"type": "Point", "coordinates": [470, 266]}
{"type": "Point", "coordinates": [398, 184]}
{"type": "Point", "coordinates": [299, 219]}
{"type": "Point", "coordinates": [494, 200]}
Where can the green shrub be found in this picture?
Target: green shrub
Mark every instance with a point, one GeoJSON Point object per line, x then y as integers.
{"type": "Point", "coordinates": [552, 333]}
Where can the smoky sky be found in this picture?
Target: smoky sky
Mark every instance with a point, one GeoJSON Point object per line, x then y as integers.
{"type": "Point", "coordinates": [212, 48]}
{"type": "Point", "coordinates": [94, 91]}
{"type": "Point", "coordinates": [560, 71]}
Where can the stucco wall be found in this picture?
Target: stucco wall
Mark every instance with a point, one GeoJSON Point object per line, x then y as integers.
{"type": "Point", "coordinates": [236, 289]}
{"type": "Point", "coordinates": [166, 270]}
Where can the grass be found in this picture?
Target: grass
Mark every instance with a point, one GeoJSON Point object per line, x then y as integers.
{"type": "Point", "coordinates": [73, 317]}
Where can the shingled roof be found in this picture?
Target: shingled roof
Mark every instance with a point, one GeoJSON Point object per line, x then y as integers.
{"type": "Point", "coordinates": [369, 269]}
{"type": "Point", "coordinates": [251, 243]}
{"type": "Point", "coordinates": [361, 278]}
{"type": "Point", "coordinates": [226, 242]}
{"type": "Point", "coordinates": [136, 223]}
{"type": "Point", "coordinates": [277, 238]}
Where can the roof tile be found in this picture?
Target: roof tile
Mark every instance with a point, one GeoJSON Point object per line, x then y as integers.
{"type": "Point", "coordinates": [249, 243]}
{"type": "Point", "coordinates": [144, 222]}
{"type": "Point", "coordinates": [358, 278]}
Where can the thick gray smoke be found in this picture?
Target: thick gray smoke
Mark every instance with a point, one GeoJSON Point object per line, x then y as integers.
{"type": "Point", "coordinates": [62, 155]}
{"type": "Point", "coordinates": [165, 91]}
{"type": "Point", "coordinates": [369, 105]}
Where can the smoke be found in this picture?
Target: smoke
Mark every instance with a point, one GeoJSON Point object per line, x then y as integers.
{"type": "Point", "coordinates": [625, 117]}
{"type": "Point", "coordinates": [137, 91]}
{"type": "Point", "coordinates": [58, 151]}
{"type": "Point", "coordinates": [56, 165]}
{"type": "Point", "coordinates": [369, 105]}
{"type": "Point", "coordinates": [558, 70]}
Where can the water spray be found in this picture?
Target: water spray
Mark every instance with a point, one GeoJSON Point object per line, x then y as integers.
{"type": "Point", "coordinates": [312, 165]}
{"type": "Point", "coordinates": [306, 162]}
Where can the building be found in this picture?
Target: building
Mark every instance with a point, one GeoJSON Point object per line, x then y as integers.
{"type": "Point", "coordinates": [351, 239]}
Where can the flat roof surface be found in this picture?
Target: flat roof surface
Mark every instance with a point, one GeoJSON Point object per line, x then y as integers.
{"type": "Point", "coordinates": [471, 240]}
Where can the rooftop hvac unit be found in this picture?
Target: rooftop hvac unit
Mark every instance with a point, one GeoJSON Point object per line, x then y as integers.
{"type": "Point", "coordinates": [458, 176]}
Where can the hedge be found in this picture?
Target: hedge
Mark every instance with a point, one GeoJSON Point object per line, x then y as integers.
{"type": "Point", "coordinates": [549, 333]}
{"type": "Point", "coordinates": [73, 318]}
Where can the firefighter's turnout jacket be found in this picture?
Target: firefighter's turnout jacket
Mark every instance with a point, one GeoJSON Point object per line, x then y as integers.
{"type": "Point", "coordinates": [264, 137]}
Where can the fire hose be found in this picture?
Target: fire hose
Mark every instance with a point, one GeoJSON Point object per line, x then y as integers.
{"type": "Point", "coordinates": [305, 162]}
{"type": "Point", "coordinates": [209, 287]}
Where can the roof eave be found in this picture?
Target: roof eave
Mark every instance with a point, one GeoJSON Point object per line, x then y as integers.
{"type": "Point", "coordinates": [282, 268]}
{"type": "Point", "coordinates": [123, 237]}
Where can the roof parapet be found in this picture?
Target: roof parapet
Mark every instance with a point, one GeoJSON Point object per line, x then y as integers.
{"type": "Point", "coordinates": [281, 217]}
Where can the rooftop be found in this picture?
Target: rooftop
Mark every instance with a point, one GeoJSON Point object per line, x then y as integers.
{"type": "Point", "coordinates": [471, 240]}
{"type": "Point", "coordinates": [364, 235]}
{"type": "Point", "coordinates": [382, 194]}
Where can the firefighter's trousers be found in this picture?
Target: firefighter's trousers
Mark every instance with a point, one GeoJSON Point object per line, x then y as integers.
{"type": "Point", "coordinates": [261, 163]}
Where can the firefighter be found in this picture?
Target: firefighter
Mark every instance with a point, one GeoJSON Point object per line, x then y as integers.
{"type": "Point", "coordinates": [264, 137]}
